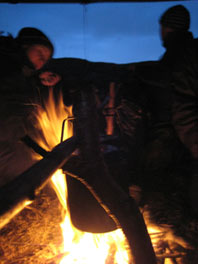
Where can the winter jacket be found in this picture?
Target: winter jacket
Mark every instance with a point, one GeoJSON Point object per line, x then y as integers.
{"type": "Point", "coordinates": [17, 93]}
{"type": "Point", "coordinates": [162, 157]}
{"type": "Point", "coordinates": [185, 90]}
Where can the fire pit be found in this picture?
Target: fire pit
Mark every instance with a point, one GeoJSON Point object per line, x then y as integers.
{"type": "Point", "coordinates": [35, 235]}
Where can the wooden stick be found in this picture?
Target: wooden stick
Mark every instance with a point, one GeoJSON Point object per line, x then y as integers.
{"type": "Point", "coordinates": [110, 110]}
{"type": "Point", "coordinates": [118, 204]}
{"type": "Point", "coordinates": [15, 195]}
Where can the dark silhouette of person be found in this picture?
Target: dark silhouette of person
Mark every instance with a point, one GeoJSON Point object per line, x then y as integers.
{"type": "Point", "coordinates": [20, 59]}
{"type": "Point", "coordinates": [162, 166]}
{"type": "Point", "coordinates": [181, 58]}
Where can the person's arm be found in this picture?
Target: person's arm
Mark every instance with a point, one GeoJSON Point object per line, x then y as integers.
{"type": "Point", "coordinates": [185, 107]}
{"type": "Point", "coordinates": [185, 118]}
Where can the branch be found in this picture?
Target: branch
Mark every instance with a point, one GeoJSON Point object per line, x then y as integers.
{"type": "Point", "coordinates": [15, 195]}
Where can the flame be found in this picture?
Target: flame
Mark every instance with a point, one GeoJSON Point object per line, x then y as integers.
{"type": "Point", "coordinates": [52, 119]}
{"type": "Point", "coordinates": [82, 247]}
{"type": "Point", "coordinates": [78, 247]}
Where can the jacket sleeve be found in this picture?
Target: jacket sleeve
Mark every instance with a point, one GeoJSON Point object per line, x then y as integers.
{"type": "Point", "coordinates": [185, 103]}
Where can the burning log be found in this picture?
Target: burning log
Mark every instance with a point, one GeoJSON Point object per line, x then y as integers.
{"type": "Point", "coordinates": [15, 195]}
{"type": "Point", "coordinates": [96, 202]}
{"type": "Point", "coordinates": [118, 207]}
{"type": "Point", "coordinates": [94, 175]}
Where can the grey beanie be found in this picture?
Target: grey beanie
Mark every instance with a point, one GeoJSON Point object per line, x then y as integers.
{"type": "Point", "coordinates": [176, 17]}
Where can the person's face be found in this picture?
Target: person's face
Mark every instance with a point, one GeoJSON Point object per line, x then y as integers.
{"type": "Point", "coordinates": [38, 55]}
{"type": "Point", "coordinates": [164, 31]}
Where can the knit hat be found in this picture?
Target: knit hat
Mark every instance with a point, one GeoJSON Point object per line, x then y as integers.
{"type": "Point", "coordinates": [176, 17]}
{"type": "Point", "coordinates": [30, 36]}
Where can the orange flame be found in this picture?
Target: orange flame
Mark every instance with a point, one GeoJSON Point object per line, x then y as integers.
{"type": "Point", "coordinates": [79, 247]}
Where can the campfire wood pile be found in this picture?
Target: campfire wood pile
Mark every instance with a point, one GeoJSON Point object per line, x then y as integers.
{"type": "Point", "coordinates": [33, 236]}
{"type": "Point", "coordinates": [16, 194]}
{"type": "Point", "coordinates": [116, 203]}
{"type": "Point", "coordinates": [177, 231]}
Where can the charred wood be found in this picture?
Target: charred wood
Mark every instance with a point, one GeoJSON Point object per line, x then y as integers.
{"type": "Point", "coordinates": [32, 144]}
{"type": "Point", "coordinates": [15, 195]}
{"type": "Point", "coordinates": [117, 204]}
{"type": "Point", "coordinates": [112, 203]}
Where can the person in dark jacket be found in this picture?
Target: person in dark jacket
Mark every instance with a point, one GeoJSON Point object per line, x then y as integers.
{"type": "Point", "coordinates": [181, 58]}
{"type": "Point", "coordinates": [29, 51]}
{"type": "Point", "coordinates": [20, 59]}
{"type": "Point", "coordinates": [161, 167]}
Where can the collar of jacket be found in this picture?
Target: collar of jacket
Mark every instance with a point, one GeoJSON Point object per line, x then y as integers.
{"type": "Point", "coordinates": [177, 38]}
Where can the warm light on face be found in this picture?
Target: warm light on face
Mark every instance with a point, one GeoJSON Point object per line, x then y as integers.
{"type": "Point", "coordinates": [38, 55]}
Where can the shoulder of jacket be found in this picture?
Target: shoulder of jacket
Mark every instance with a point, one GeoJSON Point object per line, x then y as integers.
{"type": "Point", "coordinates": [196, 43]}
{"type": "Point", "coordinates": [8, 45]}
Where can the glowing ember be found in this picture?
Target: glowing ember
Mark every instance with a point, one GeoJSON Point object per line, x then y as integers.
{"type": "Point", "coordinates": [79, 247]}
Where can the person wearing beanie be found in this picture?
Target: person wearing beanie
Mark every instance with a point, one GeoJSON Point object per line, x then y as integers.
{"type": "Point", "coordinates": [170, 154]}
{"type": "Point", "coordinates": [21, 58]}
{"type": "Point", "coordinates": [181, 62]}
{"type": "Point", "coordinates": [36, 46]}
{"type": "Point", "coordinates": [175, 34]}
{"type": "Point", "coordinates": [176, 18]}
{"type": "Point", "coordinates": [28, 52]}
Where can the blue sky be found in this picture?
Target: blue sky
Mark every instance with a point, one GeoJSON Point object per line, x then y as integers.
{"type": "Point", "coordinates": [108, 32]}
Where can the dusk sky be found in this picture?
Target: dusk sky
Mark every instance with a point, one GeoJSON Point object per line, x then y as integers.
{"type": "Point", "coordinates": [107, 32]}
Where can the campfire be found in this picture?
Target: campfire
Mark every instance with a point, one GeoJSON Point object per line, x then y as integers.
{"type": "Point", "coordinates": [55, 125]}
{"type": "Point", "coordinates": [78, 247]}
